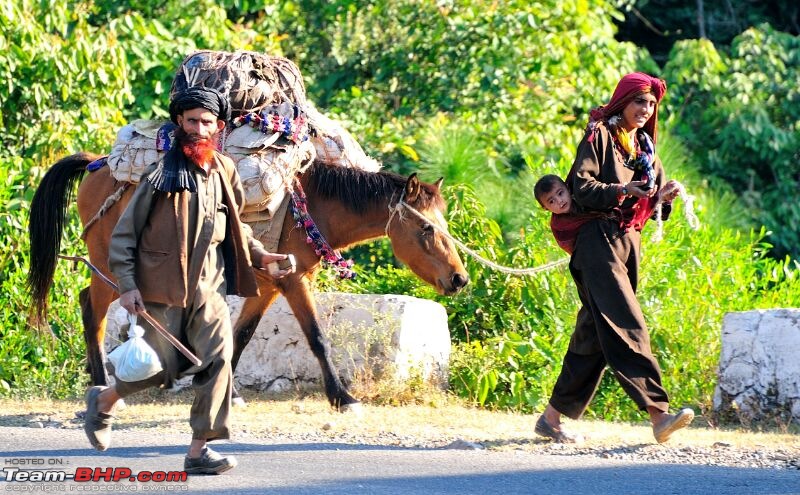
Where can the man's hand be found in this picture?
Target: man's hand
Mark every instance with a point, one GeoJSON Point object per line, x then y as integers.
{"type": "Point", "coordinates": [132, 301]}
{"type": "Point", "coordinates": [282, 271]}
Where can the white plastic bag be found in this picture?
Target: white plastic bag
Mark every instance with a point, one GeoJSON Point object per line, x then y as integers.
{"type": "Point", "coordinates": [134, 360]}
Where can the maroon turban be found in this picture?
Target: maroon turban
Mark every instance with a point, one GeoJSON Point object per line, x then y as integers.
{"type": "Point", "coordinates": [630, 86]}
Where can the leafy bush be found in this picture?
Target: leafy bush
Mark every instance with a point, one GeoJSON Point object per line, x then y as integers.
{"type": "Point", "coordinates": [51, 105]}
{"type": "Point", "coordinates": [51, 102]}
{"type": "Point", "coordinates": [514, 72]}
{"type": "Point", "coordinates": [740, 113]}
{"type": "Point", "coordinates": [158, 35]}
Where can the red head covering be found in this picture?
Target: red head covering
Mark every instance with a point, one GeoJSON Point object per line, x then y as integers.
{"type": "Point", "coordinates": [629, 87]}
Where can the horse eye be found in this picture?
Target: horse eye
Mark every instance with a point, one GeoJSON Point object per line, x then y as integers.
{"type": "Point", "coordinates": [427, 229]}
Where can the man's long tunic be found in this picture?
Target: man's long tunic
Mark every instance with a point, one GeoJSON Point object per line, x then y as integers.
{"type": "Point", "coordinates": [176, 248]}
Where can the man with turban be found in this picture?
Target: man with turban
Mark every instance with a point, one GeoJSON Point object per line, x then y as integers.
{"type": "Point", "coordinates": [177, 250]}
{"type": "Point", "coordinates": [614, 179]}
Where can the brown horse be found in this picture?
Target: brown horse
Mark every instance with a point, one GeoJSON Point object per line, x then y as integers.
{"type": "Point", "coordinates": [348, 205]}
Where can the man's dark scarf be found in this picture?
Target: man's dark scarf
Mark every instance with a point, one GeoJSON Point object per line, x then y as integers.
{"type": "Point", "coordinates": [174, 173]}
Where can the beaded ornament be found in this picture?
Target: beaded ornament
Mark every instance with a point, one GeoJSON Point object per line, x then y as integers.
{"type": "Point", "coordinates": [322, 248]}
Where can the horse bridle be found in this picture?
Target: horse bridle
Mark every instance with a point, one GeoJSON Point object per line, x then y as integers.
{"type": "Point", "coordinates": [396, 209]}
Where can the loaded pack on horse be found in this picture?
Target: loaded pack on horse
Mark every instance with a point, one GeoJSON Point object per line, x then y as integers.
{"type": "Point", "coordinates": [291, 158]}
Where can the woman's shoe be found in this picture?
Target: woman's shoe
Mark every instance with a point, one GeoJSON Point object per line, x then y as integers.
{"type": "Point", "coordinates": [559, 435]}
{"type": "Point", "coordinates": [665, 429]}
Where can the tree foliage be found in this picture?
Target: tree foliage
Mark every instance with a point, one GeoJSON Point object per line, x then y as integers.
{"type": "Point", "coordinates": [659, 24]}
{"type": "Point", "coordinates": [64, 81]}
{"type": "Point", "coordinates": [393, 66]}
{"type": "Point", "coordinates": [740, 113]}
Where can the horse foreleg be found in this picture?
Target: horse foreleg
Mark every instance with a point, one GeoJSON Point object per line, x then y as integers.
{"type": "Point", "coordinates": [253, 309]}
{"type": "Point", "coordinates": [301, 300]}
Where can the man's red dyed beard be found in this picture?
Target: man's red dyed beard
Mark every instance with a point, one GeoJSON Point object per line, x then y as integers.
{"type": "Point", "coordinates": [199, 151]}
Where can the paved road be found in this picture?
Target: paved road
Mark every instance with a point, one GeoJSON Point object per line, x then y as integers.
{"type": "Point", "coordinates": [329, 468]}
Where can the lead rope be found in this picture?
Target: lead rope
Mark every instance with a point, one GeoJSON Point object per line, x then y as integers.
{"type": "Point", "coordinates": [688, 214]}
{"type": "Point", "coordinates": [398, 207]}
{"type": "Point", "coordinates": [107, 204]}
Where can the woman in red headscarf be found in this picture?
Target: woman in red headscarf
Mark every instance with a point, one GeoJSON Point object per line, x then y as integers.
{"type": "Point", "coordinates": [618, 177]}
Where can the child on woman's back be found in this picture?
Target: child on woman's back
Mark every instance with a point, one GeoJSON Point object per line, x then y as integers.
{"type": "Point", "coordinates": [552, 193]}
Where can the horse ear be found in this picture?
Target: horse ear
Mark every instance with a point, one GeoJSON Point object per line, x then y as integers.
{"type": "Point", "coordinates": [438, 183]}
{"type": "Point", "coordinates": [412, 188]}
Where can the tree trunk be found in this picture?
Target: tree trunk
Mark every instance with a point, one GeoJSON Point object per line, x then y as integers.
{"type": "Point", "coordinates": [701, 23]}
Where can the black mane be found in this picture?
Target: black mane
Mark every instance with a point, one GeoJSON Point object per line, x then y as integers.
{"type": "Point", "coordinates": [359, 190]}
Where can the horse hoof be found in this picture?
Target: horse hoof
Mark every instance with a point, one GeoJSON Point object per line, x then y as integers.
{"type": "Point", "coordinates": [239, 402]}
{"type": "Point", "coordinates": [355, 409]}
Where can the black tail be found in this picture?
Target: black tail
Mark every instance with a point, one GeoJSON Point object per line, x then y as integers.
{"type": "Point", "coordinates": [46, 223]}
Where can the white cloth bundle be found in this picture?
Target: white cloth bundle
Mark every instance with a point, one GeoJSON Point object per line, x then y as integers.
{"type": "Point", "coordinates": [134, 360]}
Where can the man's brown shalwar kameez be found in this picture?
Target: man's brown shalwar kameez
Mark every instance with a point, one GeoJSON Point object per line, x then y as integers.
{"type": "Point", "coordinates": [610, 328]}
{"type": "Point", "coordinates": [176, 249]}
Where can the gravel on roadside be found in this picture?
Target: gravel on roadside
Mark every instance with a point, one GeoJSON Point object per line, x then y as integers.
{"type": "Point", "coordinates": [426, 427]}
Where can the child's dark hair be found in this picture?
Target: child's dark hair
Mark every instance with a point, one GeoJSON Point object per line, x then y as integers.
{"type": "Point", "coordinates": [545, 185]}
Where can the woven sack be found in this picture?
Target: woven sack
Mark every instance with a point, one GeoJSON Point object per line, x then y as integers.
{"type": "Point", "coordinates": [266, 167]}
{"type": "Point", "coordinates": [134, 150]}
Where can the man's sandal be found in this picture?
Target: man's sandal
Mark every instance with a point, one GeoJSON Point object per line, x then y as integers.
{"type": "Point", "coordinates": [97, 425]}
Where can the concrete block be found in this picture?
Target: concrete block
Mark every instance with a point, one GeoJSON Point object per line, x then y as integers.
{"type": "Point", "coordinates": [759, 370]}
{"type": "Point", "coordinates": [389, 336]}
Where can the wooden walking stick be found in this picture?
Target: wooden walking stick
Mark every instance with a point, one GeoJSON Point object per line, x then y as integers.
{"type": "Point", "coordinates": [147, 316]}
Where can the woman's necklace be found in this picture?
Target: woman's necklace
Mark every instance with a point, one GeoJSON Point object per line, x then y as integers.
{"type": "Point", "coordinates": [628, 151]}
{"type": "Point", "coordinates": [637, 156]}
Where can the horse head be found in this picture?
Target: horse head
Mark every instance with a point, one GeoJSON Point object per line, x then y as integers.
{"type": "Point", "coordinates": [418, 232]}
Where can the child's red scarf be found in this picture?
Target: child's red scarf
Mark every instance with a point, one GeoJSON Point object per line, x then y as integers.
{"type": "Point", "coordinates": [566, 226]}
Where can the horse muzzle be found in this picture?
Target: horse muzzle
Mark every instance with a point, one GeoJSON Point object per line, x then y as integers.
{"type": "Point", "coordinates": [457, 282]}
